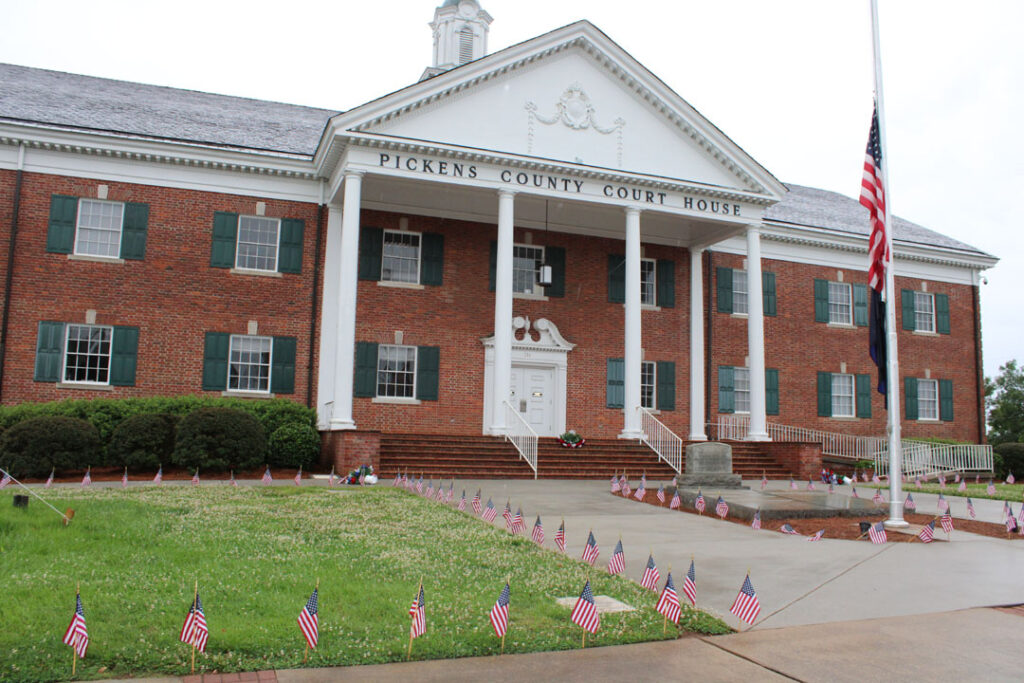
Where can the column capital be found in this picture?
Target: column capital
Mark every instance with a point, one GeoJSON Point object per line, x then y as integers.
{"type": "Point", "coordinates": [506, 193]}
{"type": "Point", "coordinates": [755, 227]}
{"type": "Point", "coordinates": [354, 173]}
{"type": "Point", "coordinates": [633, 210]}
{"type": "Point", "coordinates": [697, 251]}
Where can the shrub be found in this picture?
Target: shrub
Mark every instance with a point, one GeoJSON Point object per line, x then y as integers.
{"type": "Point", "coordinates": [293, 445]}
{"type": "Point", "coordinates": [219, 439]}
{"type": "Point", "coordinates": [31, 447]}
{"type": "Point", "coordinates": [1009, 457]}
{"type": "Point", "coordinates": [143, 441]}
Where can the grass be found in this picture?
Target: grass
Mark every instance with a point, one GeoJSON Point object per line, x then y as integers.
{"type": "Point", "coordinates": [1011, 492]}
{"type": "Point", "coordinates": [257, 553]}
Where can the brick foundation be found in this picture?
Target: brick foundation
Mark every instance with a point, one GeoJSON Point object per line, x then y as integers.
{"type": "Point", "coordinates": [347, 450]}
{"type": "Point", "coordinates": [803, 460]}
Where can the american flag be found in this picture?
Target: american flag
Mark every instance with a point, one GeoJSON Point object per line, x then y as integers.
{"type": "Point", "coordinates": [1011, 522]}
{"type": "Point", "coordinates": [810, 485]}
{"type": "Point", "coordinates": [499, 613]}
{"type": "Point", "coordinates": [991, 488]}
{"type": "Point", "coordinates": [5, 481]}
{"type": "Point", "coordinates": [642, 491]}
{"type": "Point", "coordinates": [942, 480]}
{"type": "Point", "coordinates": [1020, 516]}
{"type": "Point", "coordinates": [909, 503]}
{"type": "Point", "coordinates": [77, 635]}
{"type": "Point", "coordinates": [590, 550]}
{"type": "Point", "coordinates": [418, 612]}
{"type": "Point", "coordinates": [195, 478]}
{"type": "Point", "coordinates": [877, 533]}
{"type": "Point", "coordinates": [943, 504]}
{"type": "Point", "coordinates": [927, 532]}
{"type": "Point", "coordinates": [507, 515]}
{"type": "Point", "coordinates": [490, 512]}
{"type": "Point", "coordinates": [651, 576]}
{"type": "Point", "coordinates": [159, 475]}
{"type": "Point", "coordinates": [476, 502]}
{"type": "Point", "coordinates": [560, 537]}
{"type": "Point", "coordinates": [233, 481]}
{"type": "Point", "coordinates": [626, 490]}
{"type": "Point", "coordinates": [617, 564]}
{"type": "Point", "coordinates": [419, 484]}
{"type": "Point", "coordinates": [877, 498]}
{"type": "Point", "coordinates": [864, 477]}
{"type": "Point", "coordinates": [977, 478]}
{"type": "Point", "coordinates": [792, 483]}
{"type": "Point", "coordinates": [462, 501]}
{"type": "Point", "coordinates": [1010, 479]}
{"type": "Point", "coordinates": [615, 483]}
{"type": "Point", "coordinates": [963, 486]}
{"type": "Point", "coordinates": [970, 508]}
{"type": "Point", "coordinates": [756, 524]}
{"type": "Point", "coordinates": [396, 482]}
{"type": "Point", "coordinates": [817, 535]}
{"type": "Point", "coordinates": [872, 196]}
{"type": "Point", "coordinates": [947, 522]}
{"type": "Point", "coordinates": [584, 614]}
{"type": "Point", "coordinates": [917, 481]}
{"type": "Point", "coordinates": [49, 480]}
{"type": "Point", "coordinates": [661, 493]}
{"type": "Point", "coordinates": [676, 501]}
{"type": "Point", "coordinates": [854, 492]}
{"type": "Point", "coordinates": [787, 529]}
{"type": "Point", "coordinates": [721, 508]}
{"type": "Point", "coordinates": [439, 496]}
{"type": "Point", "coordinates": [538, 532]}
{"type": "Point", "coordinates": [430, 490]}
{"type": "Point", "coordinates": [668, 603]}
{"type": "Point", "coordinates": [690, 584]}
{"type": "Point", "coordinates": [298, 477]}
{"type": "Point", "coordinates": [267, 479]}
{"type": "Point", "coordinates": [699, 503]}
{"type": "Point", "coordinates": [124, 479]}
{"type": "Point", "coordinates": [956, 478]}
{"type": "Point", "coordinates": [518, 525]}
{"type": "Point", "coordinates": [309, 622]}
{"type": "Point", "coordinates": [451, 491]}
{"type": "Point", "coordinates": [87, 479]}
{"type": "Point", "coordinates": [875, 479]}
{"type": "Point", "coordinates": [746, 606]}
{"type": "Point", "coordinates": [362, 476]}
{"type": "Point", "coordinates": [194, 630]}
{"type": "Point", "coordinates": [1007, 510]}
{"type": "Point", "coordinates": [405, 480]}
{"type": "Point", "coordinates": [764, 481]}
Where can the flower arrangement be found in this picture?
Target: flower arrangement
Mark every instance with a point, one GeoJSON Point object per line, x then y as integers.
{"type": "Point", "coordinates": [363, 472]}
{"type": "Point", "coordinates": [571, 440]}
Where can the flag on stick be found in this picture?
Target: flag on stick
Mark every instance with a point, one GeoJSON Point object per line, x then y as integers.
{"type": "Point", "coordinates": [590, 550]}
{"type": "Point", "coordinates": [746, 606]}
{"type": "Point", "coordinates": [233, 481]}
{"type": "Point", "coordinates": [124, 479]}
{"type": "Point", "coordinates": [560, 537]}
{"type": "Point", "coordinates": [1010, 478]}
{"type": "Point", "coordinates": [267, 479]}
{"type": "Point", "coordinates": [792, 484]}
{"type": "Point", "coordinates": [909, 503]}
{"type": "Point", "coordinates": [877, 533]}
{"type": "Point", "coordinates": [626, 490]}
{"type": "Point", "coordinates": [756, 524]}
{"type": "Point", "coordinates": [538, 532]}
{"type": "Point", "coordinates": [699, 503]}
{"type": "Point", "coordinates": [462, 501]}
{"type": "Point", "coordinates": [651, 577]}
{"type": "Point", "coordinates": [690, 584]}
{"type": "Point", "coordinates": [810, 484]}
{"type": "Point", "coordinates": [518, 525]}
{"type": "Point", "coordinates": [77, 635]}
{"type": "Point", "coordinates": [499, 613]}
{"type": "Point", "coordinates": [5, 482]}
{"type": "Point", "coordinates": [853, 492]}
{"type": "Point", "coordinates": [721, 508]}
{"type": "Point", "coordinates": [49, 480]}
{"type": "Point", "coordinates": [764, 481]}
{"type": "Point", "coordinates": [642, 491]}
{"type": "Point", "coordinates": [676, 501]}
{"type": "Point", "coordinates": [418, 612]}
{"type": "Point", "coordinates": [195, 477]}
{"type": "Point", "coordinates": [943, 504]}
{"type": "Point", "coordinates": [476, 502]}
{"type": "Point", "coordinates": [584, 614]}
{"type": "Point", "coordinates": [668, 603]}
{"type": "Point", "coordinates": [877, 498]}
{"type": "Point", "coordinates": [159, 478]}
{"type": "Point", "coordinates": [194, 631]}
{"type": "Point", "coordinates": [970, 509]}
{"type": "Point", "coordinates": [309, 621]}
{"type": "Point", "coordinates": [947, 521]}
{"type": "Point", "coordinates": [615, 483]}
{"type": "Point", "coordinates": [817, 535]}
{"type": "Point", "coordinates": [788, 529]}
{"type": "Point", "coordinates": [490, 512]}
{"type": "Point", "coordinates": [661, 493]}
{"type": "Point", "coordinates": [927, 532]}
{"type": "Point", "coordinates": [298, 477]}
{"type": "Point", "coordinates": [87, 479]}
{"type": "Point", "coordinates": [618, 562]}
{"type": "Point", "coordinates": [507, 515]}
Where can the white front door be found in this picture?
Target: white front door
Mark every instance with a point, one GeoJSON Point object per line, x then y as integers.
{"type": "Point", "coordinates": [533, 395]}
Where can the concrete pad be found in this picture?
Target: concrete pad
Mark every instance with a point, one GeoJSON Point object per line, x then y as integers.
{"type": "Point", "coordinates": [605, 604]}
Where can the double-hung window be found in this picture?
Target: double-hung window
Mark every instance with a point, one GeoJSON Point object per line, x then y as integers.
{"type": "Point", "coordinates": [648, 384]}
{"type": "Point", "coordinates": [648, 283]}
{"type": "Point", "coordinates": [843, 396]}
{"type": "Point", "coordinates": [249, 363]}
{"type": "Point", "coordinates": [739, 292]}
{"type": "Point", "coordinates": [400, 257]}
{"type": "Point", "coordinates": [98, 228]}
{"type": "Point", "coordinates": [741, 388]}
{"type": "Point", "coordinates": [87, 354]}
{"type": "Point", "coordinates": [526, 263]}
{"type": "Point", "coordinates": [927, 399]}
{"type": "Point", "coordinates": [924, 312]}
{"type": "Point", "coordinates": [396, 371]}
{"type": "Point", "coordinates": [840, 304]}
{"type": "Point", "coordinates": [257, 243]}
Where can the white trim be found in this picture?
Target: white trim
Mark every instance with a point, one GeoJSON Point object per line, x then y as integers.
{"type": "Point", "coordinates": [938, 400]}
{"type": "Point", "coordinates": [415, 371]}
{"type": "Point", "coordinates": [853, 395]}
{"type": "Point", "coordinates": [396, 400]}
{"type": "Point", "coordinates": [270, 365]}
{"type": "Point", "coordinates": [419, 255]}
{"type": "Point", "coordinates": [238, 243]}
{"type": "Point", "coordinates": [88, 386]}
{"type": "Point", "coordinates": [848, 288]}
{"type": "Point", "coordinates": [64, 357]}
{"type": "Point", "coordinates": [248, 394]}
{"type": "Point", "coordinates": [934, 314]}
{"type": "Point", "coordinates": [78, 228]}
{"type": "Point", "coordinates": [96, 259]}
{"type": "Point", "coordinates": [400, 285]}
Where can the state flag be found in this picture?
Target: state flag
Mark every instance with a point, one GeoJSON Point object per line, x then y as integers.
{"type": "Point", "coordinates": [756, 524]}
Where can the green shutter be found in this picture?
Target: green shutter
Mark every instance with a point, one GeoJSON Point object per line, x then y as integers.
{"type": "Point", "coordinates": [946, 400]}
{"type": "Point", "coordinates": [821, 304]}
{"type": "Point", "coordinates": [555, 257]}
{"type": "Point", "coordinates": [768, 293]}
{"type": "Point", "coordinates": [666, 378]}
{"type": "Point", "coordinates": [771, 391]}
{"type": "Point", "coordinates": [615, 392]}
{"type": "Point", "coordinates": [371, 251]}
{"type": "Point", "coordinates": [863, 395]}
{"type": "Point", "coordinates": [216, 348]}
{"type": "Point", "coordinates": [432, 259]}
{"type": "Point", "coordinates": [289, 256]}
{"type": "Point", "coordinates": [124, 356]}
{"type": "Point", "coordinates": [492, 273]}
{"type": "Point", "coordinates": [133, 234]}
{"type": "Point", "coordinates": [49, 352]}
{"type": "Point", "coordinates": [726, 387]}
{"type": "Point", "coordinates": [860, 305]}
{"type": "Point", "coordinates": [282, 368]}
{"type": "Point", "coordinates": [907, 302]}
{"type": "Point", "coordinates": [225, 236]}
{"type": "Point", "coordinates": [428, 370]}
{"type": "Point", "coordinates": [910, 397]}
{"type": "Point", "coordinates": [60, 238]}
{"type": "Point", "coordinates": [724, 279]}
{"type": "Point", "coordinates": [616, 278]}
{"type": "Point", "coordinates": [824, 394]}
{"type": "Point", "coordinates": [665, 274]}
{"type": "Point", "coordinates": [365, 384]}
{"type": "Point", "coordinates": [942, 313]}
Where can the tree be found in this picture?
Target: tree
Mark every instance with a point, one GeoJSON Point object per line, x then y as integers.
{"type": "Point", "coordinates": [1005, 398]}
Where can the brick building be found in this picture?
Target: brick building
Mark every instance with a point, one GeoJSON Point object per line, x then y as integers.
{"type": "Point", "coordinates": [548, 230]}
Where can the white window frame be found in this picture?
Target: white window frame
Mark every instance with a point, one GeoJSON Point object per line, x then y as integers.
{"type": "Point", "coordinates": [737, 373]}
{"type": "Point", "coordinates": [738, 274]}
{"type": "Point", "coordinates": [839, 378]}
{"type": "Point", "coordinates": [238, 244]}
{"type": "Point", "coordinates": [78, 228]}
{"type": "Point", "coordinates": [377, 383]}
{"type": "Point", "coordinates": [419, 256]}
{"type": "Point", "coordinates": [649, 267]}
{"type": "Point", "coordinates": [933, 400]}
{"type": "Point", "coordinates": [64, 356]}
{"type": "Point", "coordinates": [535, 289]}
{"type": "Point", "coordinates": [270, 363]}
{"type": "Point", "coordinates": [652, 370]}
{"type": "Point", "coordinates": [833, 287]}
{"type": "Point", "coordinates": [919, 310]}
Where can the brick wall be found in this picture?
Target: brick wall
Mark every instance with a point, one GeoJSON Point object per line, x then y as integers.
{"type": "Point", "coordinates": [347, 450]}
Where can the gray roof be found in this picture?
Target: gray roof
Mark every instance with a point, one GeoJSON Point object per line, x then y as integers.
{"type": "Point", "coordinates": [101, 104]}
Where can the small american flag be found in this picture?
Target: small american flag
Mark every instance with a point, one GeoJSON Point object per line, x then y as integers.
{"type": "Point", "coordinates": [499, 613]}
{"type": "Point", "coordinates": [854, 492]}
{"type": "Point", "coordinates": [439, 496]}
{"type": "Point", "coordinates": [792, 484]}
{"type": "Point", "coordinates": [875, 479]}
{"type": "Point", "coordinates": [927, 532]}
{"type": "Point", "coordinates": [615, 483]}
{"type": "Point", "coordinates": [756, 524]}
{"type": "Point", "coordinates": [1010, 479]}
{"type": "Point", "coordinates": [1007, 510]}
{"type": "Point", "coordinates": [77, 635]}
{"type": "Point", "coordinates": [917, 482]}
{"type": "Point", "coordinates": [651, 577]}
{"type": "Point", "coordinates": [877, 533]}
{"type": "Point", "coordinates": [476, 502]}
{"type": "Point", "coordinates": [721, 508]}
{"type": "Point", "coordinates": [676, 501]}
{"type": "Point", "coordinates": [298, 477]}
{"type": "Point", "coordinates": [746, 606]}
{"type": "Point", "coordinates": [507, 515]}
{"type": "Point", "coordinates": [864, 477]}
{"type": "Point", "coordinates": [661, 493]}
{"type": "Point", "coordinates": [831, 489]}
{"type": "Point", "coordinates": [396, 482]}
{"type": "Point", "coordinates": [560, 537]}
{"type": "Point", "coordinates": [418, 612]}
{"type": "Point", "coordinates": [764, 481]}
{"type": "Point", "coordinates": [451, 492]}
{"type": "Point", "coordinates": [49, 480]}
{"type": "Point", "coordinates": [518, 525]}
{"type": "Point", "coordinates": [87, 479]}
{"type": "Point", "coordinates": [538, 532]}
{"type": "Point", "coordinates": [5, 482]}
{"type": "Point", "coordinates": [267, 479]}
{"type": "Point", "coordinates": [309, 622]}
{"type": "Point", "coordinates": [877, 498]}
{"type": "Point", "coordinates": [590, 550]}
{"type": "Point", "coordinates": [810, 485]}
{"type": "Point", "coordinates": [419, 485]}
{"type": "Point", "coordinates": [626, 490]}
{"type": "Point", "coordinates": [787, 529]}
{"type": "Point", "coordinates": [462, 501]}
{"type": "Point", "coordinates": [641, 492]}
{"type": "Point", "coordinates": [159, 475]}
{"type": "Point", "coordinates": [690, 584]}
{"type": "Point", "coordinates": [1020, 516]}
{"type": "Point", "coordinates": [817, 535]}
{"type": "Point", "coordinates": [584, 614]}
{"type": "Point", "coordinates": [430, 490]}
{"type": "Point", "coordinates": [490, 512]}
{"type": "Point", "coordinates": [943, 504]}
{"type": "Point", "coordinates": [970, 508]}
{"type": "Point", "coordinates": [699, 503]}
{"type": "Point", "coordinates": [405, 480]}
{"type": "Point", "coordinates": [668, 603]}
{"type": "Point", "coordinates": [617, 564]}
{"type": "Point", "coordinates": [942, 481]}
{"type": "Point", "coordinates": [195, 478]}
{"type": "Point", "coordinates": [233, 481]}
{"type": "Point", "coordinates": [947, 522]}
{"type": "Point", "coordinates": [1011, 522]}
{"type": "Point", "coordinates": [963, 486]}
{"type": "Point", "coordinates": [194, 631]}
{"type": "Point", "coordinates": [991, 488]}
{"type": "Point", "coordinates": [124, 479]}
{"type": "Point", "coordinates": [956, 479]}
{"type": "Point", "coordinates": [909, 503]}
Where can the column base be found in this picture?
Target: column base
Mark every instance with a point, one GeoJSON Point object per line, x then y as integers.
{"type": "Point", "coordinates": [697, 437]}
{"type": "Point", "coordinates": [758, 437]}
{"type": "Point", "coordinates": [895, 524]}
{"type": "Point", "coordinates": [340, 425]}
{"type": "Point", "coordinates": [635, 434]}
{"type": "Point", "coordinates": [497, 431]}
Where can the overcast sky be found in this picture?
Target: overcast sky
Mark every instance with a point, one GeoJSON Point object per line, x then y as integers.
{"type": "Point", "coordinates": [788, 80]}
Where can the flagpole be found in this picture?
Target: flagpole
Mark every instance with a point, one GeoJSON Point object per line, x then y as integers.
{"type": "Point", "coordinates": [892, 359]}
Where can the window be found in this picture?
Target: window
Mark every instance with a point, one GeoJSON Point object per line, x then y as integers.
{"type": "Point", "coordinates": [87, 354]}
{"type": "Point", "coordinates": [249, 364]}
{"type": "Point", "coordinates": [927, 399]}
{"type": "Point", "coordinates": [99, 228]}
{"type": "Point", "coordinates": [924, 312]}
{"type": "Point", "coordinates": [739, 291]}
{"type": "Point", "coordinates": [648, 372]}
{"type": "Point", "coordinates": [840, 308]}
{"type": "Point", "coordinates": [648, 282]}
{"type": "Point", "coordinates": [401, 257]}
{"type": "Point", "coordinates": [257, 243]}
{"type": "Point", "coordinates": [842, 396]}
{"type": "Point", "coordinates": [526, 262]}
{"type": "Point", "coordinates": [396, 371]}
{"type": "Point", "coordinates": [741, 389]}
{"type": "Point", "coordinates": [465, 45]}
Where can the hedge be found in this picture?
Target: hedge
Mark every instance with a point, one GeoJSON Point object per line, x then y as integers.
{"type": "Point", "coordinates": [293, 445]}
{"type": "Point", "coordinates": [32, 447]}
{"type": "Point", "coordinates": [143, 441]}
{"type": "Point", "coordinates": [219, 439]}
{"type": "Point", "coordinates": [1009, 457]}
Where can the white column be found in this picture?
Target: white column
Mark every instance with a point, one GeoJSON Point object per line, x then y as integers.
{"type": "Point", "coordinates": [755, 336]}
{"type": "Point", "coordinates": [329, 318]}
{"type": "Point", "coordinates": [503, 311]}
{"type": "Point", "coordinates": [697, 429]}
{"type": "Point", "coordinates": [348, 284]}
{"type": "Point", "coordinates": [631, 423]}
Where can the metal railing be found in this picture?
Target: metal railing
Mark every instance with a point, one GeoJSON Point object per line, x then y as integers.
{"type": "Point", "coordinates": [661, 440]}
{"type": "Point", "coordinates": [522, 436]}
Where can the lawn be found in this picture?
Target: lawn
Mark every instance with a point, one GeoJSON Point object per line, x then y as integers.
{"type": "Point", "coordinates": [257, 553]}
{"type": "Point", "coordinates": [1011, 492]}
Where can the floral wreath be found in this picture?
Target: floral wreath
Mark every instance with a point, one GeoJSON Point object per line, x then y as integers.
{"type": "Point", "coordinates": [571, 439]}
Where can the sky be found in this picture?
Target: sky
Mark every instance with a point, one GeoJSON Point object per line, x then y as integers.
{"type": "Point", "coordinates": [790, 81]}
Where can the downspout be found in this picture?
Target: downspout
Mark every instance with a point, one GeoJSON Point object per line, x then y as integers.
{"type": "Point", "coordinates": [316, 295]}
{"type": "Point", "coordinates": [15, 207]}
{"type": "Point", "coordinates": [708, 318]}
{"type": "Point", "coordinates": [980, 383]}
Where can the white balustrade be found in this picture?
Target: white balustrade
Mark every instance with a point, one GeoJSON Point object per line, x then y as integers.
{"type": "Point", "coordinates": [522, 436]}
{"type": "Point", "coordinates": [661, 440]}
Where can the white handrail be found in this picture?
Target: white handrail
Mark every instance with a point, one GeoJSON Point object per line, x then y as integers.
{"type": "Point", "coordinates": [522, 436]}
{"type": "Point", "coordinates": [661, 440]}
